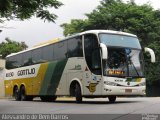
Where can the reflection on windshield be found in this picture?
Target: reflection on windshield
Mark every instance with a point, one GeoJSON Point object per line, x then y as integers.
{"type": "Point", "coordinates": [124, 62]}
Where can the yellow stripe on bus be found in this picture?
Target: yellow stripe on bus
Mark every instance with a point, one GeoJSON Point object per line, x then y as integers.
{"type": "Point", "coordinates": [32, 85]}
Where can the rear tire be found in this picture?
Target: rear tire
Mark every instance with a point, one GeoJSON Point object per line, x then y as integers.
{"type": "Point", "coordinates": [48, 98]}
{"type": "Point", "coordinates": [23, 96]}
{"type": "Point", "coordinates": [29, 98]}
{"type": "Point", "coordinates": [78, 93]}
{"type": "Point", "coordinates": [112, 99]}
{"type": "Point", "coordinates": [16, 94]}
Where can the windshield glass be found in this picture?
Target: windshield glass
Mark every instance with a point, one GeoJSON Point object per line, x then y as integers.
{"type": "Point", "coordinates": [124, 62]}
{"type": "Point", "coordinates": [119, 40]}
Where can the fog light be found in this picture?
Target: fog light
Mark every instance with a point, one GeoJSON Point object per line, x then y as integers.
{"type": "Point", "coordinates": [108, 90]}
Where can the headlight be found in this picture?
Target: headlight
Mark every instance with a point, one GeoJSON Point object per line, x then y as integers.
{"type": "Point", "coordinates": [142, 84]}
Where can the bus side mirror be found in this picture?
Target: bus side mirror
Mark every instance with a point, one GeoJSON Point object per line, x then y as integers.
{"type": "Point", "coordinates": [104, 51]}
{"type": "Point", "coordinates": [152, 54]}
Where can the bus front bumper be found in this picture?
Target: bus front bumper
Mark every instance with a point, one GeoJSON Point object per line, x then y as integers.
{"type": "Point", "coordinates": [124, 91]}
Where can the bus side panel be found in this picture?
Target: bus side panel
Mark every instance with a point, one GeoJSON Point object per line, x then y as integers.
{"type": "Point", "coordinates": [8, 88]}
{"type": "Point", "coordinates": [37, 81]}
{"type": "Point", "coordinates": [31, 83]}
{"type": "Point", "coordinates": [52, 77]}
{"type": "Point", "coordinates": [74, 68]}
{"type": "Point", "coordinates": [77, 70]}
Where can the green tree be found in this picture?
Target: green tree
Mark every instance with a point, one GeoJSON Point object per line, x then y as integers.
{"type": "Point", "coordinates": [75, 26]}
{"type": "Point", "coordinates": [141, 20]}
{"type": "Point", "coordinates": [11, 46]}
{"type": "Point", "coordinates": [25, 9]}
{"type": "Point", "coordinates": [115, 15]}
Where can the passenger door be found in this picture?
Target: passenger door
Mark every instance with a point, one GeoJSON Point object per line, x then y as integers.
{"type": "Point", "coordinates": [92, 74]}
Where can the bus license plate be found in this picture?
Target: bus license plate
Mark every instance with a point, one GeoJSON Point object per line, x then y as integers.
{"type": "Point", "coordinates": [128, 90]}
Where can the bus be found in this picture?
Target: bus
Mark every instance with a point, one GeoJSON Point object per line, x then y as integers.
{"type": "Point", "coordinates": [91, 64]}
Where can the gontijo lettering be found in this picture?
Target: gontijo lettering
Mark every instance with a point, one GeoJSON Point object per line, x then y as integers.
{"type": "Point", "coordinates": [30, 71]}
{"type": "Point", "coordinates": [26, 72]}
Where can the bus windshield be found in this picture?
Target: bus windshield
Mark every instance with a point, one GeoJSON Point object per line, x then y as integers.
{"type": "Point", "coordinates": [125, 58]}
{"type": "Point", "coordinates": [119, 40]}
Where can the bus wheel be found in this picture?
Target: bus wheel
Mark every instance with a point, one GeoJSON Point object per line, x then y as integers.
{"type": "Point", "coordinates": [112, 99]}
{"type": "Point", "coordinates": [16, 94]}
{"type": "Point", "coordinates": [54, 98]}
{"type": "Point", "coordinates": [78, 93]}
{"type": "Point", "coordinates": [29, 98]}
{"type": "Point", "coordinates": [23, 94]}
{"type": "Point", "coordinates": [48, 98]}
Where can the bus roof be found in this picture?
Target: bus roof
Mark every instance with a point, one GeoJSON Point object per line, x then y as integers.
{"type": "Point", "coordinates": [82, 33]}
{"type": "Point", "coordinates": [109, 32]}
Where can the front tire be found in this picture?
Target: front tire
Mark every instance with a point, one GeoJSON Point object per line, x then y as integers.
{"type": "Point", "coordinates": [78, 93]}
{"type": "Point", "coordinates": [112, 99]}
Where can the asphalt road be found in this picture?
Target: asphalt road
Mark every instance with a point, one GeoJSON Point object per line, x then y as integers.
{"type": "Point", "coordinates": [123, 106]}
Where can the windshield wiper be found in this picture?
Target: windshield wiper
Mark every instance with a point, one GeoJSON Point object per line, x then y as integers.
{"type": "Point", "coordinates": [131, 63]}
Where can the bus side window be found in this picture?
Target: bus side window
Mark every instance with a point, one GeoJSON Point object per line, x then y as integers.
{"type": "Point", "coordinates": [60, 50]}
{"type": "Point", "coordinates": [48, 53]}
{"type": "Point", "coordinates": [75, 47]}
{"type": "Point", "coordinates": [14, 62]}
{"type": "Point", "coordinates": [27, 58]}
{"type": "Point", "coordinates": [92, 53]}
{"type": "Point", "coordinates": [10, 63]}
{"type": "Point", "coordinates": [36, 56]}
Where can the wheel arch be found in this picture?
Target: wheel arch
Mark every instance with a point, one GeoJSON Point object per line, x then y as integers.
{"type": "Point", "coordinates": [72, 85]}
{"type": "Point", "coordinates": [14, 87]}
{"type": "Point", "coordinates": [23, 85]}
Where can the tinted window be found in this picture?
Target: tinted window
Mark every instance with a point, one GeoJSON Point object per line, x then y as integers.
{"type": "Point", "coordinates": [60, 50]}
{"type": "Point", "coordinates": [27, 58]}
{"type": "Point", "coordinates": [37, 56]}
{"type": "Point", "coordinates": [75, 47]}
{"type": "Point", "coordinates": [14, 62]}
{"type": "Point", "coordinates": [19, 60]}
{"type": "Point", "coordinates": [48, 53]}
{"type": "Point", "coordinates": [10, 63]}
{"type": "Point", "coordinates": [92, 53]}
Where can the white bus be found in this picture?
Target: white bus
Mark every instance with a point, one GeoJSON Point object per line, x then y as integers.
{"type": "Point", "coordinates": [95, 63]}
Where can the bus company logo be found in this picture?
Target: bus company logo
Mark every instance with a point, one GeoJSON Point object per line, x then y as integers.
{"type": "Point", "coordinates": [26, 72]}
{"type": "Point", "coordinates": [95, 78]}
{"type": "Point", "coordinates": [128, 83]}
{"type": "Point", "coordinates": [77, 67]}
{"type": "Point", "coordinates": [92, 87]}
{"type": "Point", "coordinates": [31, 71]}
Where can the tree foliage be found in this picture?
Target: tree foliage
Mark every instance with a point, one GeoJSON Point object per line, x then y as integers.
{"type": "Point", "coordinates": [25, 9]}
{"type": "Point", "coordinates": [11, 46]}
{"type": "Point", "coordinates": [141, 20]}
{"type": "Point", "coordinates": [75, 26]}
{"type": "Point", "coordinates": [115, 15]}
